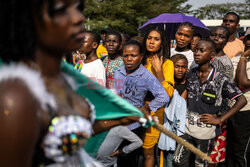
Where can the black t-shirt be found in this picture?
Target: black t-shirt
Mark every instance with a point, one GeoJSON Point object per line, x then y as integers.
{"type": "Point", "coordinates": [180, 87]}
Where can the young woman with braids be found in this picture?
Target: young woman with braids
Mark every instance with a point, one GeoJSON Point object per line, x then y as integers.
{"type": "Point", "coordinates": [43, 121]}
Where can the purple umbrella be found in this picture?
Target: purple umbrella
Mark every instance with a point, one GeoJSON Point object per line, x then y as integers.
{"type": "Point", "coordinates": [170, 23]}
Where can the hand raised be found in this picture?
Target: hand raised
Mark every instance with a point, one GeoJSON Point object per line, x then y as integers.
{"type": "Point", "coordinates": [157, 63]}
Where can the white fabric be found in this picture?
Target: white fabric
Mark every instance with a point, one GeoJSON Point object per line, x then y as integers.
{"type": "Point", "coordinates": [95, 70]}
{"type": "Point", "coordinates": [189, 55]}
{"type": "Point", "coordinates": [197, 129]}
{"type": "Point", "coordinates": [32, 79]}
{"type": "Point", "coordinates": [235, 60]}
{"type": "Point", "coordinates": [89, 161]}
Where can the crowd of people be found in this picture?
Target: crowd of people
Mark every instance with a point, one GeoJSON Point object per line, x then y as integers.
{"type": "Point", "coordinates": [198, 89]}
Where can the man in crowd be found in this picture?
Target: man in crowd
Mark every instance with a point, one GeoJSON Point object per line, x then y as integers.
{"type": "Point", "coordinates": [234, 46]}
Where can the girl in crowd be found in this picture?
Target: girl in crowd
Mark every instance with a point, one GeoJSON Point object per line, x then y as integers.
{"type": "Point", "coordinates": [156, 60]}
{"type": "Point", "coordinates": [180, 69]}
{"type": "Point", "coordinates": [183, 39]}
{"type": "Point", "coordinates": [175, 111]}
{"type": "Point", "coordinates": [47, 121]}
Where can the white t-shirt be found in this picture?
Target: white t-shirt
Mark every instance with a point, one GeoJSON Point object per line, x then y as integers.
{"type": "Point", "coordinates": [95, 70]}
{"type": "Point", "coordinates": [189, 55]}
{"type": "Point", "coordinates": [235, 60]}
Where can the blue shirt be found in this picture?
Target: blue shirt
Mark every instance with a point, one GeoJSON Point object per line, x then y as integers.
{"type": "Point", "coordinates": [135, 86]}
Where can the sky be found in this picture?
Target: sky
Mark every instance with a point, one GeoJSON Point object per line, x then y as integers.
{"type": "Point", "coordinates": [199, 3]}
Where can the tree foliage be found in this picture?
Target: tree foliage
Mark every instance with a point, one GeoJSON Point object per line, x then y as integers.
{"type": "Point", "coordinates": [128, 15]}
{"type": "Point", "coordinates": [217, 11]}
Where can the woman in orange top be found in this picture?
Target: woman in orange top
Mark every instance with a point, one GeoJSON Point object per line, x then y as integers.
{"type": "Point", "coordinates": [156, 60]}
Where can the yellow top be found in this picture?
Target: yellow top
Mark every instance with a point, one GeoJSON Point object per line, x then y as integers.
{"type": "Point", "coordinates": [168, 72]}
{"type": "Point", "coordinates": [101, 51]}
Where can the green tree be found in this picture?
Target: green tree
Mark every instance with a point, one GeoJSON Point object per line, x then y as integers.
{"type": "Point", "coordinates": [128, 15]}
{"type": "Point", "coordinates": [217, 11]}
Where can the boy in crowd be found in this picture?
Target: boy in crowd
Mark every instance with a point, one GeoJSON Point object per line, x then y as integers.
{"type": "Point", "coordinates": [113, 61]}
{"type": "Point", "coordinates": [92, 67]}
{"type": "Point", "coordinates": [206, 88]}
{"type": "Point", "coordinates": [221, 61]}
{"type": "Point", "coordinates": [234, 46]}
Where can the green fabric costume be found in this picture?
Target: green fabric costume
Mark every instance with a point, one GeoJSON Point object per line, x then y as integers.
{"type": "Point", "coordinates": [107, 104]}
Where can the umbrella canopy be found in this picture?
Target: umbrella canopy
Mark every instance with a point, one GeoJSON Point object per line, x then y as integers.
{"type": "Point", "coordinates": [170, 23]}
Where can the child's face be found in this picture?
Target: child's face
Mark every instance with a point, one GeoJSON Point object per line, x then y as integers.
{"type": "Point", "coordinates": [112, 44]}
{"type": "Point", "coordinates": [131, 57]}
{"type": "Point", "coordinates": [203, 52]}
{"type": "Point", "coordinates": [87, 45]}
{"type": "Point", "coordinates": [183, 36]}
{"type": "Point", "coordinates": [219, 37]}
{"type": "Point", "coordinates": [194, 41]}
{"type": "Point", "coordinates": [180, 68]}
{"type": "Point", "coordinates": [153, 42]}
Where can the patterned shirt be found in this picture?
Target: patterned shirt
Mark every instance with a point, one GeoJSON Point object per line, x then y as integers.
{"type": "Point", "coordinates": [221, 86]}
{"type": "Point", "coordinates": [110, 67]}
{"type": "Point", "coordinates": [135, 86]}
{"type": "Point", "coordinates": [224, 65]}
